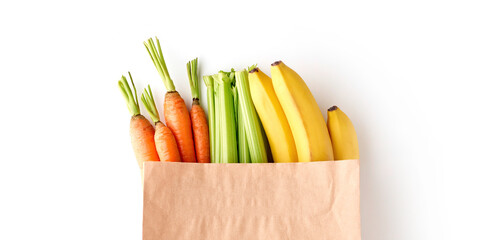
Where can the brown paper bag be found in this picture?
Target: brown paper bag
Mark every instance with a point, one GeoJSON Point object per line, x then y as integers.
{"type": "Point", "coordinates": [316, 200]}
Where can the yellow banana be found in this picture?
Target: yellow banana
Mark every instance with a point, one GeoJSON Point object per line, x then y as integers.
{"type": "Point", "coordinates": [303, 114]}
{"type": "Point", "coordinates": [343, 135]}
{"type": "Point", "coordinates": [272, 117]}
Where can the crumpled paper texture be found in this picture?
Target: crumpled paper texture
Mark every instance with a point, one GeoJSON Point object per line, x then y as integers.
{"type": "Point", "coordinates": [316, 200]}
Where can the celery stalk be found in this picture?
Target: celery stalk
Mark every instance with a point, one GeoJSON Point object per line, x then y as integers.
{"type": "Point", "coordinates": [243, 149]}
{"type": "Point", "coordinates": [218, 121]}
{"type": "Point", "coordinates": [209, 82]}
{"type": "Point", "coordinates": [235, 101]}
{"type": "Point", "coordinates": [255, 139]}
{"type": "Point", "coordinates": [228, 143]}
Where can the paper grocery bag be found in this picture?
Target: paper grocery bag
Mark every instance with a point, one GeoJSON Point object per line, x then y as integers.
{"type": "Point", "coordinates": [316, 200]}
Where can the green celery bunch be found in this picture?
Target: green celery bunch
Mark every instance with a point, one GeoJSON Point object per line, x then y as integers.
{"type": "Point", "coordinates": [236, 133]}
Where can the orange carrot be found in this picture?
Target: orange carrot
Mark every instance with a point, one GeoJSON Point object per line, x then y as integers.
{"type": "Point", "coordinates": [166, 144]}
{"type": "Point", "coordinates": [141, 131]}
{"type": "Point", "coordinates": [198, 118]}
{"type": "Point", "coordinates": [200, 131]}
{"type": "Point", "coordinates": [178, 120]}
{"type": "Point", "coordinates": [175, 111]}
{"type": "Point", "coordinates": [142, 139]}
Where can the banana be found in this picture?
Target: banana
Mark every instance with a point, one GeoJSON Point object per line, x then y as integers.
{"type": "Point", "coordinates": [272, 117]}
{"type": "Point", "coordinates": [343, 135]}
{"type": "Point", "coordinates": [305, 119]}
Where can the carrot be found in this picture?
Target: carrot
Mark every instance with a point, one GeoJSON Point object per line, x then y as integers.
{"type": "Point", "coordinates": [141, 131]}
{"type": "Point", "coordinates": [142, 139]}
{"type": "Point", "coordinates": [175, 111]}
{"type": "Point", "coordinates": [166, 145]}
{"type": "Point", "coordinates": [198, 117]}
{"type": "Point", "coordinates": [178, 120]}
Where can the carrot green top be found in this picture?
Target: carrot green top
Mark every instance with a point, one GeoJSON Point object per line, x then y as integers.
{"type": "Point", "coordinates": [150, 105]}
{"type": "Point", "coordinates": [131, 100]}
{"type": "Point", "coordinates": [157, 58]}
{"type": "Point", "coordinates": [192, 74]}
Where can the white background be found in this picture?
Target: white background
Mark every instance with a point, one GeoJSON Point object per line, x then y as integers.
{"type": "Point", "coordinates": [421, 80]}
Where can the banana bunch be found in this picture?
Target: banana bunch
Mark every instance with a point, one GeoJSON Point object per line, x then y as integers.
{"type": "Point", "coordinates": [272, 117]}
{"type": "Point", "coordinates": [293, 122]}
